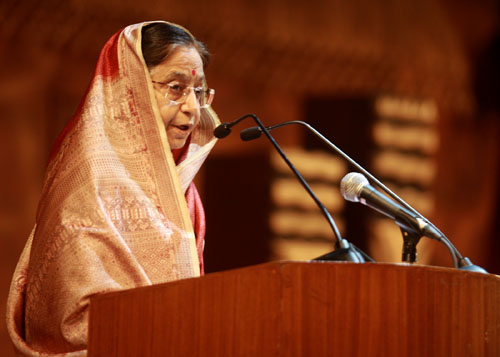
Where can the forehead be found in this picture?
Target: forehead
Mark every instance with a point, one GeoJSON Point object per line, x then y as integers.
{"type": "Point", "coordinates": [182, 61]}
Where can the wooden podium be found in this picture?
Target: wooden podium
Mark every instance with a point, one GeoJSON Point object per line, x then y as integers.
{"type": "Point", "coordinates": [304, 309]}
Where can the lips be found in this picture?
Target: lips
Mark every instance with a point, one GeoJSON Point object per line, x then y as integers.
{"type": "Point", "coordinates": [183, 127]}
{"type": "Point", "coordinates": [180, 131]}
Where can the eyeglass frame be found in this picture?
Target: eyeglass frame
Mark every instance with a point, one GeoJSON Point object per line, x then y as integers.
{"type": "Point", "coordinates": [185, 93]}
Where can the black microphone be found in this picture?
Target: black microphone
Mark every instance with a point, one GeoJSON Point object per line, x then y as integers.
{"type": "Point", "coordinates": [343, 251]}
{"type": "Point", "coordinates": [458, 260]}
{"type": "Point", "coordinates": [224, 129]}
{"type": "Point", "coordinates": [356, 188]}
{"type": "Point", "coordinates": [252, 133]}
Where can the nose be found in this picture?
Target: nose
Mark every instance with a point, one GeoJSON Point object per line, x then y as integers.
{"type": "Point", "coordinates": [191, 103]}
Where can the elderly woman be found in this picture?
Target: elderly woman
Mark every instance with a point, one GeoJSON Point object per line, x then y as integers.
{"type": "Point", "coordinates": [118, 207]}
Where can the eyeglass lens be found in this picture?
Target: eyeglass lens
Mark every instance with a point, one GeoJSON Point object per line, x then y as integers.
{"type": "Point", "coordinates": [178, 95]}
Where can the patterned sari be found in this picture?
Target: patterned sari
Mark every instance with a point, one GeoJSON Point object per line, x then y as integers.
{"type": "Point", "coordinates": [116, 211]}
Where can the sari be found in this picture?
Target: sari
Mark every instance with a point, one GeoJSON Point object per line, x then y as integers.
{"type": "Point", "coordinates": [116, 210]}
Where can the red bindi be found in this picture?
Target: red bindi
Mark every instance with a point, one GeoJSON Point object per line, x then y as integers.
{"type": "Point", "coordinates": [193, 72]}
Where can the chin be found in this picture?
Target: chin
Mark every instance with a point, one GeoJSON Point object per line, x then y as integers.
{"type": "Point", "coordinates": [176, 144]}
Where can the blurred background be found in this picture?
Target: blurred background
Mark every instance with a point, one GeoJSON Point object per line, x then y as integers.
{"type": "Point", "coordinates": [409, 89]}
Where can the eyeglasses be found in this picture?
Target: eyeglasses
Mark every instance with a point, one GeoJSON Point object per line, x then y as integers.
{"type": "Point", "coordinates": [177, 94]}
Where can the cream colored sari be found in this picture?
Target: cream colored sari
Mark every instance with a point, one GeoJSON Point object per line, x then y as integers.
{"type": "Point", "coordinates": [115, 212]}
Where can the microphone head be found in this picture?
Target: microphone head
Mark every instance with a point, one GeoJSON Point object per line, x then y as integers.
{"type": "Point", "coordinates": [222, 130]}
{"type": "Point", "coordinates": [351, 186]}
{"type": "Point", "coordinates": [251, 133]}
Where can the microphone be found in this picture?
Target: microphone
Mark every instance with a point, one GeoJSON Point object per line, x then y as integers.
{"type": "Point", "coordinates": [356, 188]}
{"type": "Point", "coordinates": [224, 129]}
{"type": "Point", "coordinates": [430, 230]}
{"type": "Point", "coordinates": [344, 250]}
{"type": "Point", "coordinates": [252, 133]}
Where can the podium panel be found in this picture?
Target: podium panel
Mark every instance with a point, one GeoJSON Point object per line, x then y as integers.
{"type": "Point", "coordinates": [304, 309]}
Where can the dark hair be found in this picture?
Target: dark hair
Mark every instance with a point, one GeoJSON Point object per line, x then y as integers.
{"type": "Point", "coordinates": [159, 39]}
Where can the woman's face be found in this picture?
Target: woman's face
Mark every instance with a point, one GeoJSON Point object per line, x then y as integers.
{"type": "Point", "coordinates": [184, 68]}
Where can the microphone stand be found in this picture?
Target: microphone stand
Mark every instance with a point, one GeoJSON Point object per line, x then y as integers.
{"type": "Point", "coordinates": [344, 250]}
{"type": "Point", "coordinates": [459, 261]}
{"type": "Point", "coordinates": [410, 241]}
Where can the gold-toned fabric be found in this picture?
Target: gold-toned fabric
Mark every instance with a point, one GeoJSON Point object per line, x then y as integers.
{"type": "Point", "coordinates": [113, 212]}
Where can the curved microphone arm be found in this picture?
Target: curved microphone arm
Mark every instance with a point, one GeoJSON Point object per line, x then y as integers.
{"type": "Point", "coordinates": [341, 243]}
{"type": "Point", "coordinates": [458, 260]}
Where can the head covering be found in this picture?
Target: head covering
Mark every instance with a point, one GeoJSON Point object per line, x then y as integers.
{"type": "Point", "coordinates": [115, 212]}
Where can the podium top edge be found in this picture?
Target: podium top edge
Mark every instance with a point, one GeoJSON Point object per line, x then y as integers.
{"type": "Point", "coordinates": [280, 266]}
